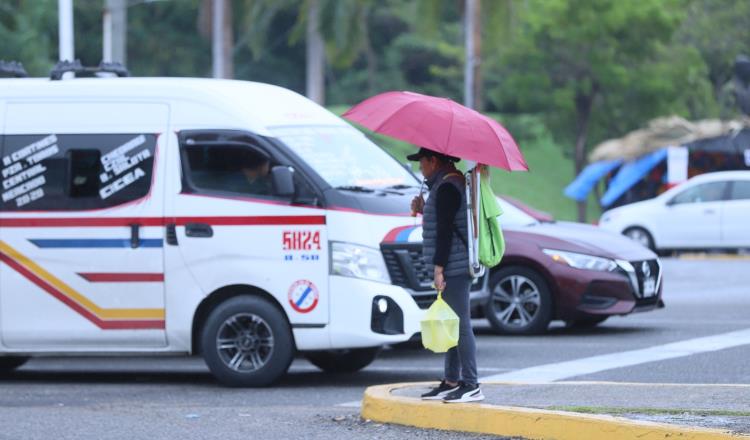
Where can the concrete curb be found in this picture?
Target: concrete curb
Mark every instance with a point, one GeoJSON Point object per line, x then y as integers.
{"type": "Point", "coordinates": [381, 405]}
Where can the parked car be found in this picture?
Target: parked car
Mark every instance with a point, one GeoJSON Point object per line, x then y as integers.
{"type": "Point", "coordinates": [708, 211]}
{"type": "Point", "coordinates": [566, 271]}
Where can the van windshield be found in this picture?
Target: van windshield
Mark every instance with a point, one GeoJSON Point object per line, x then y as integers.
{"type": "Point", "coordinates": [344, 157]}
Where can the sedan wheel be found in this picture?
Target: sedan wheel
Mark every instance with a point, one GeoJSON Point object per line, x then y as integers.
{"type": "Point", "coordinates": [519, 303]}
{"type": "Point", "coordinates": [640, 236]}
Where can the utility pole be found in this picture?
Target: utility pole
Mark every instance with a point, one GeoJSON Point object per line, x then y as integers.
{"type": "Point", "coordinates": [114, 32]}
{"type": "Point", "coordinates": [222, 39]}
{"type": "Point", "coordinates": [315, 56]}
{"type": "Point", "coordinates": [65, 29]}
{"type": "Point", "coordinates": [217, 23]}
{"type": "Point", "coordinates": [472, 49]}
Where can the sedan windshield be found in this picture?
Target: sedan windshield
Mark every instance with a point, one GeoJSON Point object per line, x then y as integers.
{"type": "Point", "coordinates": [513, 216]}
{"type": "Point", "coordinates": [345, 158]}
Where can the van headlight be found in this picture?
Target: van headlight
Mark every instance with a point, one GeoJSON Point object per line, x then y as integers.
{"type": "Point", "coordinates": [581, 261]}
{"type": "Point", "coordinates": [350, 260]}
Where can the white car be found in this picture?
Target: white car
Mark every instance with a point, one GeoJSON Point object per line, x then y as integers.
{"type": "Point", "coordinates": [708, 211]}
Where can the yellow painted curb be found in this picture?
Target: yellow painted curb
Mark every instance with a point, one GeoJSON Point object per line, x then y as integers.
{"type": "Point", "coordinates": [381, 405]}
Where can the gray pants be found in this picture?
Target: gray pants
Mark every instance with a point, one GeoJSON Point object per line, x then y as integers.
{"type": "Point", "coordinates": [461, 361]}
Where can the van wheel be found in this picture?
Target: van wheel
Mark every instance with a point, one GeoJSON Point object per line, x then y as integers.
{"type": "Point", "coordinates": [10, 363]}
{"type": "Point", "coordinates": [343, 361]}
{"type": "Point", "coordinates": [246, 342]}
{"type": "Point", "coordinates": [520, 302]}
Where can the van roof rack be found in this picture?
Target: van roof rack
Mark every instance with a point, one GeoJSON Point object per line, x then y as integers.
{"type": "Point", "coordinates": [63, 67]}
{"type": "Point", "coordinates": [12, 69]}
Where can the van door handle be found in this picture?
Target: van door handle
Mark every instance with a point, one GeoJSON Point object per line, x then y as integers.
{"type": "Point", "coordinates": [135, 235]}
{"type": "Point", "coordinates": [199, 230]}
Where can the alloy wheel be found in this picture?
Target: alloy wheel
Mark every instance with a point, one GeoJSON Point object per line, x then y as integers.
{"type": "Point", "coordinates": [245, 342]}
{"type": "Point", "coordinates": [516, 301]}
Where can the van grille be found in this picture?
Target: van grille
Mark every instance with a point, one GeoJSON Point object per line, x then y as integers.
{"type": "Point", "coordinates": [408, 269]}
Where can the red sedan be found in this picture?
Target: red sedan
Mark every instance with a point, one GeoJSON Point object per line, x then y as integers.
{"type": "Point", "coordinates": [566, 271]}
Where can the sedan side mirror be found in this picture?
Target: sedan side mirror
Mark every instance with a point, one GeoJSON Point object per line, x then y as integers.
{"type": "Point", "coordinates": [282, 181]}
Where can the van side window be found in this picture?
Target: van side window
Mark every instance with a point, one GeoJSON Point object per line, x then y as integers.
{"type": "Point", "coordinates": [72, 172]}
{"type": "Point", "coordinates": [228, 166]}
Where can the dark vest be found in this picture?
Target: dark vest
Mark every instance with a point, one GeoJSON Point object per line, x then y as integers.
{"type": "Point", "coordinates": [458, 260]}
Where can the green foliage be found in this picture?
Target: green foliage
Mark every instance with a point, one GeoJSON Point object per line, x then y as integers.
{"type": "Point", "coordinates": [605, 50]}
{"type": "Point", "coordinates": [635, 60]}
{"type": "Point", "coordinates": [28, 32]}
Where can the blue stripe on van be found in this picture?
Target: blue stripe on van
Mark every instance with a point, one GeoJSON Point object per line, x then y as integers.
{"type": "Point", "coordinates": [403, 236]}
{"type": "Point", "coordinates": [95, 243]}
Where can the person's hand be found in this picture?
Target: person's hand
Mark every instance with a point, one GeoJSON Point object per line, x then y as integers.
{"type": "Point", "coordinates": [439, 278]}
{"type": "Point", "coordinates": [417, 205]}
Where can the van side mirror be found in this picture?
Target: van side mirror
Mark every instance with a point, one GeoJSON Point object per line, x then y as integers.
{"type": "Point", "coordinates": [282, 181]}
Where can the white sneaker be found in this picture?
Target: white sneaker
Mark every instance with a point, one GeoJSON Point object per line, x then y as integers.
{"type": "Point", "coordinates": [465, 393]}
{"type": "Point", "coordinates": [439, 391]}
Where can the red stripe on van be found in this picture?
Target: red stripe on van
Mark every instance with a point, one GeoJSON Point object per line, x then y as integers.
{"type": "Point", "coordinates": [281, 220]}
{"type": "Point", "coordinates": [105, 325]}
{"type": "Point", "coordinates": [277, 220]}
{"type": "Point", "coordinates": [122, 277]}
{"type": "Point", "coordinates": [79, 222]}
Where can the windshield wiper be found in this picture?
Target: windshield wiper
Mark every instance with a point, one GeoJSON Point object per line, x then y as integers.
{"type": "Point", "coordinates": [355, 188]}
{"type": "Point", "coordinates": [401, 186]}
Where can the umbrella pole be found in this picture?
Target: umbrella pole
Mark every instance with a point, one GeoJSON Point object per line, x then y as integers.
{"type": "Point", "coordinates": [473, 202]}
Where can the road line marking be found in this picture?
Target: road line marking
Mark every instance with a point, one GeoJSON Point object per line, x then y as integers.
{"type": "Point", "coordinates": [595, 364]}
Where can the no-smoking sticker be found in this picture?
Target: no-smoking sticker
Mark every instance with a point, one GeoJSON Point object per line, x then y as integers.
{"type": "Point", "coordinates": [303, 296]}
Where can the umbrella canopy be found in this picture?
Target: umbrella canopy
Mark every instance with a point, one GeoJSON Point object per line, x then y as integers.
{"type": "Point", "coordinates": [441, 125]}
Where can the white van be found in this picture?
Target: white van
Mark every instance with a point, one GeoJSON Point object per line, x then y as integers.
{"type": "Point", "coordinates": [174, 216]}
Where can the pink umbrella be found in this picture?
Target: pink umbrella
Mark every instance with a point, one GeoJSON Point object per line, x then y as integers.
{"type": "Point", "coordinates": [441, 125]}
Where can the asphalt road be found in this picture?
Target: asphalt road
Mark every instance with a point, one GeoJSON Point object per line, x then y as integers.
{"type": "Point", "coordinates": [131, 398]}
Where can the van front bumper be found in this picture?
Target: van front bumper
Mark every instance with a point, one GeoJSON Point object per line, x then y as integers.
{"type": "Point", "coordinates": [356, 319]}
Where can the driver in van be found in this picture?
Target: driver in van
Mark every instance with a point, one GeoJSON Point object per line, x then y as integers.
{"type": "Point", "coordinates": [256, 172]}
{"type": "Point", "coordinates": [445, 248]}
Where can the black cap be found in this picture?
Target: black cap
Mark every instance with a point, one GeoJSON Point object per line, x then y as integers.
{"type": "Point", "coordinates": [424, 152]}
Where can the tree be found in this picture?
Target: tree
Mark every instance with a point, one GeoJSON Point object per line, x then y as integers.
{"type": "Point", "coordinates": [341, 27]}
{"type": "Point", "coordinates": [719, 30]}
{"type": "Point", "coordinates": [572, 60]}
{"type": "Point", "coordinates": [28, 31]}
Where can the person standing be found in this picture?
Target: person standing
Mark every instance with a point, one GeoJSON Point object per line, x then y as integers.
{"type": "Point", "coordinates": [445, 251]}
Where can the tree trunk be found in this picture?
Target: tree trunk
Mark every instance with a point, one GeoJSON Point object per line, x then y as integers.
{"type": "Point", "coordinates": [315, 56]}
{"type": "Point", "coordinates": [584, 103]}
{"type": "Point", "coordinates": [372, 60]}
{"type": "Point", "coordinates": [222, 39]}
{"type": "Point", "coordinates": [228, 36]}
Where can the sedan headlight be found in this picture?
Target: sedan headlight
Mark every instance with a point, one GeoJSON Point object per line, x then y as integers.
{"type": "Point", "coordinates": [581, 261]}
{"type": "Point", "coordinates": [350, 260]}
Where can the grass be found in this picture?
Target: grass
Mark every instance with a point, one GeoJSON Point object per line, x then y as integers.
{"type": "Point", "coordinates": [550, 171]}
{"type": "Point", "coordinates": [649, 411]}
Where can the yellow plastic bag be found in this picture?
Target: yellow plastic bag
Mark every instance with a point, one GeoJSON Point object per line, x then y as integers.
{"type": "Point", "coordinates": [439, 327]}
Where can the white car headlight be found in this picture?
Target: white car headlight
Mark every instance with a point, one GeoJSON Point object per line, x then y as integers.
{"type": "Point", "coordinates": [350, 260]}
{"type": "Point", "coordinates": [581, 261]}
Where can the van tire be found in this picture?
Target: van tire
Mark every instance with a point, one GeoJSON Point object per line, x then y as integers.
{"type": "Point", "coordinates": [256, 346]}
{"type": "Point", "coordinates": [529, 284]}
{"type": "Point", "coordinates": [343, 361]}
{"type": "Point", "coordinates": [10, 363]}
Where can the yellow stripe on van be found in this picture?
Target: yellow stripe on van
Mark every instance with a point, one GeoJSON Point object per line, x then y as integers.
{"type": "Point", "coordinates": [68, 291]}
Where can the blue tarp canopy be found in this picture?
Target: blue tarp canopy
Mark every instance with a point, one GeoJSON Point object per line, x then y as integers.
{"type": "Point", "coordinates": [580, 188]}
{"type": "Point", "coordinates": [630, 174]}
